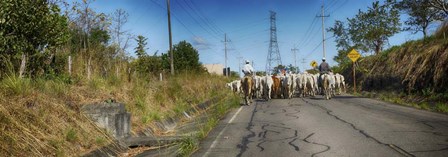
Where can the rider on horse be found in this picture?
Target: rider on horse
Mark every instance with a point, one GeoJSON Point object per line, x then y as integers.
{"type": "Point", "coordinates": [324, 68]}
{"type": "Point", "coordinates": [247, 69]}
{"type": "Point", "coordinates": [247, 82]}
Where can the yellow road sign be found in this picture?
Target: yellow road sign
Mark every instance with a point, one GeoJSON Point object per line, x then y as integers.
{"type": "Point", "coordinates": [313, 64]}
{"type": "Point", "coordinates": [353, 55]}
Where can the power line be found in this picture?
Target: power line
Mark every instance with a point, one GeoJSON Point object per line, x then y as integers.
{"type": "Point", "coordinates": [177, 19]}
{"type": "Point", "coordinates": [213, 24]}
{"type": "Point", "coordinates": [203, 19]}
{"type": "Point", "coordinates": [308, 33]}
{"type": "Point", "coordinates": [337, 8]}
{"type": "Point", "coordinates": [196, 21]}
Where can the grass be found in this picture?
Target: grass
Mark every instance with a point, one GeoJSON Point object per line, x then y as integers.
{"type": "Point", "coordinates": [187, 146]}
{"type": "Point", "coordinates": [430, 102]}
{"type": "Point", "coordinates": [41, 116]}
{"type": "Point", "coordinates": [217, 111]}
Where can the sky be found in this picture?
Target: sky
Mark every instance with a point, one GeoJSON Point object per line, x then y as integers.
{"type": "Point", "coordinates": [246, 23]}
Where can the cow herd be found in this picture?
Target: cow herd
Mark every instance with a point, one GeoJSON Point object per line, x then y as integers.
{"type": "Point", "coordinates": [290, 85]}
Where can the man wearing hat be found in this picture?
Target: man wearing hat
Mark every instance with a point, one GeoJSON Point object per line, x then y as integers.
{"type": "Point", "coordinates": [324, 68]}
{"type": "Point", "coordinates": [248, 70]}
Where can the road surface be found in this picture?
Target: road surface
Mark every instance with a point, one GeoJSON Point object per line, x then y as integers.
{"type": "Point", "coordinates": [342, 126]}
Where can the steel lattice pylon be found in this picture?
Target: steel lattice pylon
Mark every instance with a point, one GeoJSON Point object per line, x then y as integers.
{"type": "Point", "coordinates": [274, 58]}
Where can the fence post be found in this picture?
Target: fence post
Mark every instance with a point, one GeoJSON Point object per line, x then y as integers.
{"type": "Point", "coordinates": [22, 66]}
{"type": "Point", "coordinates": [70, 65]}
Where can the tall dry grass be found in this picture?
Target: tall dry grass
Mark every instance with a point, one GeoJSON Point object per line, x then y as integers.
{"type": "Point", "coordinates": [41, 117]}
{"type": "Point", "coordinates": [414, 66]}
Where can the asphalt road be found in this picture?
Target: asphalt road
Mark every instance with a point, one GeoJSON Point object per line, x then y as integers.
{"type": "Point", "coordinates": [342, 126]}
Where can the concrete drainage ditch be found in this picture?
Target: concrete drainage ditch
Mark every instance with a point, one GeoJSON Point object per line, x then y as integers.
{"type": "Point", "coordinates": [115, 119]}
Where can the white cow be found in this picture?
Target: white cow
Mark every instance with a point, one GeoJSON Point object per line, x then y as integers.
{"type": "Point", "coordinates": [286, 86]}
{"type": "Point", "coordinates": [258, 87]}
{"type": "Point", "coordinates": [267, 83]}
{"type": "Point", "coordinates": [236, 86]}
{"type": "Point", "coordinates": [340, 83]}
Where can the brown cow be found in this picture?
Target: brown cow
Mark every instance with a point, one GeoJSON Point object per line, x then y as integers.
{"type": "Point", "coordinates": [275, 86]}
{"type": "Point", "coordinates": [247, 89]}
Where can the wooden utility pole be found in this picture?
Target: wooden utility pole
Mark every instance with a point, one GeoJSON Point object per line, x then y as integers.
{"type": "Point", "coordinates": [294, 51]}
{"type": "Point", "coordinates": [323, 28]}
{"type": "Point", "coordinates": [171, 40]}
{"type": "Point", "coordinates": [225, 54]}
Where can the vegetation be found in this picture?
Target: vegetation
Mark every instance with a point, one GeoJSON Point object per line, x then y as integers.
{"type": "Point", "coordinates": [368, 31]}
{"type": "Point", "coordinates": [186, 58]}
{"type": "Point", "coordinates": [55, 62]}
{"type": "Point", "coordinates": [190, 143]}
{"type": "Point", "coordinates": [421, 15]}
{"type": "Point", "coordinates": [415, 69]}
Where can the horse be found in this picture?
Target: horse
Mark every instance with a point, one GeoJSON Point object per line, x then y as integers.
{"type": "Point", "coordinates": [247, 89]}
{"type": "Point", "coordinates": [326, 87]}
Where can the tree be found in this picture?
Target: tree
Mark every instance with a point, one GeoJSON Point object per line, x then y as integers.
{"type": "Point", "coordinates": [292, 68]}
{"type": "Point", "coordinates": [421, 14]}
{"type": "Point", "coordinates": [187, 58]}
{"type": "Point", "coordinates": [146, 65]}
{"type": "Point", "coordinates": [278, 69]}
{"type": "Point", "coordinates": [441, 6]}
{"type": "Point", "coordinates": [121, 37]}
{"type": "Point", "coordinates": [140, 50]}
{"type": "Point", "coordinates": [370, 30]}
{"type": "Point", "coordinates": [30, 30]}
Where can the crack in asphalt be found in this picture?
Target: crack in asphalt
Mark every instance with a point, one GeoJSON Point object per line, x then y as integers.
{"type": "Point", "coordinates": [263, 134]}
{"type": "Point", "coordinates": [291, 142]}
{"type": "Point", "coordinates": [394, 147]}
{"type": "Point", "coordinates": [429, 125]}
{"type": "Point", "coordinates": [435, 150]}
{"type": "Point", "coordinates": [292, 114]}
{"type": "Point", "coordinates": [326, 146]}
{"type": "Point", "coordinates": [427, 132]}
{"type": "Point", "coordinates": [245, 141]}
{"type": "Point", "coordinates": [294, 137]}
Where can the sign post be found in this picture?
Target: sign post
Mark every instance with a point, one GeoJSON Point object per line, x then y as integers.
{"type": "Point", "coordinates": [354, 55]}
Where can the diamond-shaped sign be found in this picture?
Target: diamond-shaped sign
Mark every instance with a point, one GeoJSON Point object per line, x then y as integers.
{"type": "Point", "coordinates": [353, 55]}
{"type": "Point", "coordinates": [313, 64]}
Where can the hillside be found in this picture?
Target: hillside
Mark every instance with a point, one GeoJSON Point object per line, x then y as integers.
{"type": "Point", "coordinates": [42, 117]}
{"type": "Point", "coordinates": [414, 68]}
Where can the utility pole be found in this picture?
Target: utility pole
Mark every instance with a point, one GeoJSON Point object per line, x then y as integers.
{"type": "Point", "coordinates": [303, 64]}
{"type": "Point", "coordinates": [225, 53]}
{"type": "Point", "coordinates": [239, 65]}
{"type": "Point", "coordinates": [323, 27]}
{"type": "Point", "coordinates": [294, 50]}
{"type": "Point", "coordinates": [171, 40]}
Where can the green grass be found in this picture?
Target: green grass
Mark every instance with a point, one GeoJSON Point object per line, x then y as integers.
{"type": "Point", "coordinates": [442, 107]}
{"type": "Point", "coordinates": [430, 102]}
{"type": "Point", "coordinates": [13, 85]}
{"type": "Point", "coordinates": [187, 146]}
{"type": "Point", "coordinates": [71, 135]}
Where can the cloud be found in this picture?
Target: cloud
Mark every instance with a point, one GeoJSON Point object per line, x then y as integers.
{"type": "Point", "coordinates": [200, 43]}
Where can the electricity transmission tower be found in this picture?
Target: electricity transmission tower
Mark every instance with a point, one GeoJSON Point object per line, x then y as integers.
{"type": "Point", "coordinates": [274, 58]}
